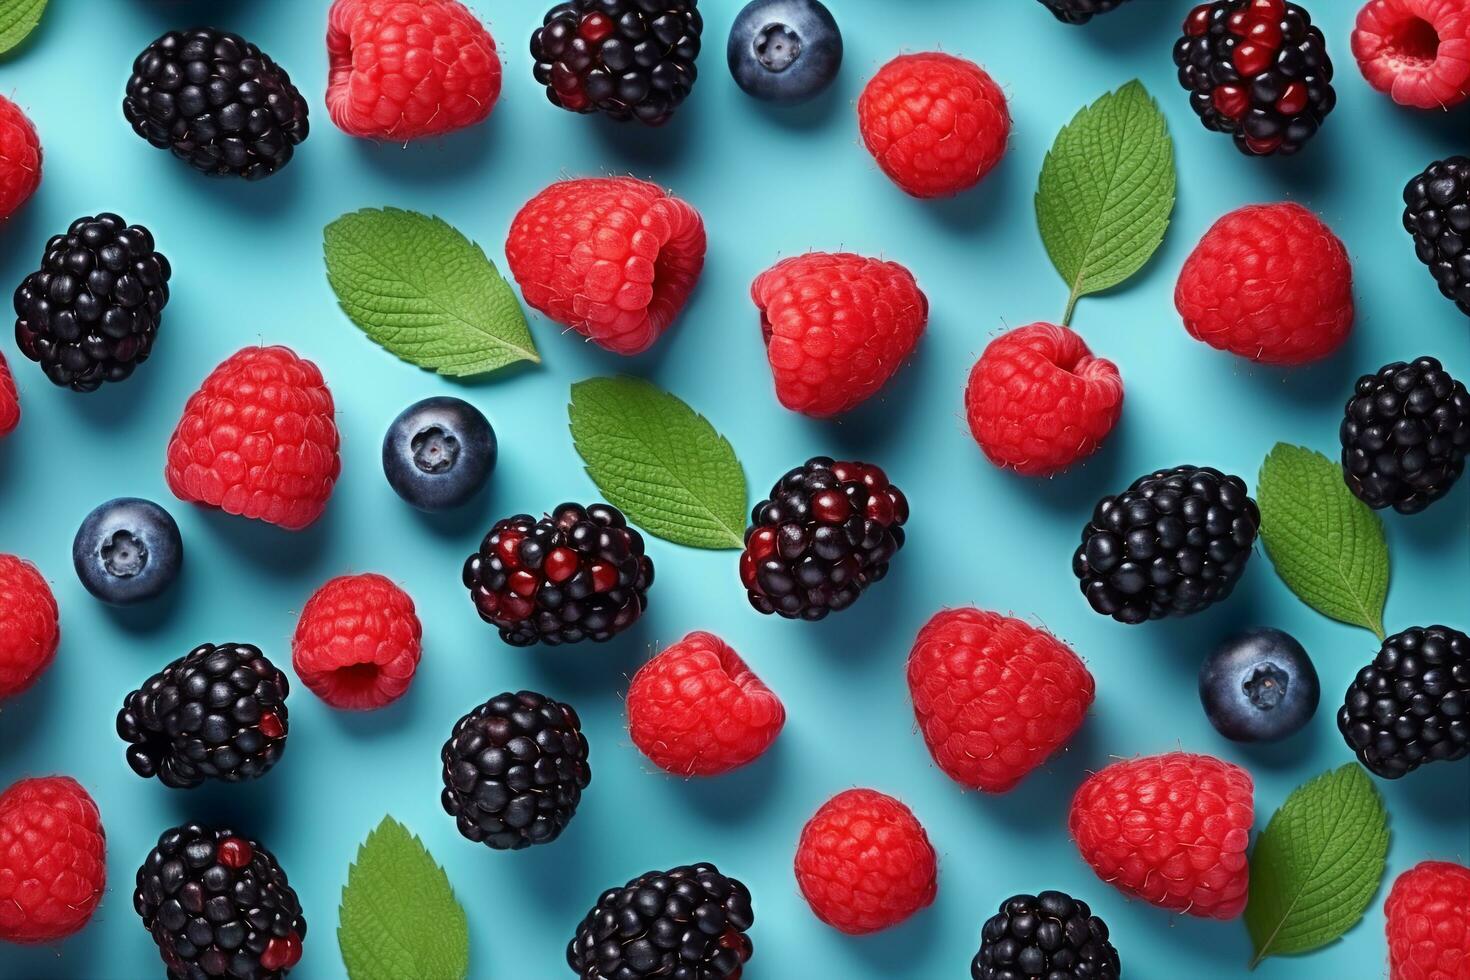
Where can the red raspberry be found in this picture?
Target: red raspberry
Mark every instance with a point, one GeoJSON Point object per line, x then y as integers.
{"type": "Point", "coordinates": [1038, 400]}
{"type": "Point", "coordinates": [994, 696]}
{"type": "Point", "coordinates": [1269, 282]}
{"type": "Point", "coordinates": [864, 862]}
{"type": "Point", "coordinates": [1428, 912]}
{"type": "Point", "coordinates": [406, 69]}
{"type": "Point", "coordinates": [1169, 829]}
{"type": "Point", "coordinates": [837, 327]}
{"type": "Point", "coordinates": [53, 863]}
{"type": "Point", "coordinates": [20, 158]}
{"type": "Point", "coordinates": [29, 628]}
{"type": "Point", "coordinates": [696, 709]}
{"type": "Point", "coordinates": [9, 400]}
{"type": "Point", "coordinates": [613, 258]}
{"type": "Point", "coordinates": [258, 439]}
{"type": "Point", "coordinates": [935, 123]}
{"type": "Point", "coordinates": [1418, 51]}
{"type": "Point", "coordinates": [358, 642]}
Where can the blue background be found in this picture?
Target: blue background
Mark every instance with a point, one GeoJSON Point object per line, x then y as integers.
{"type": "Point", "coordinates": [770, 183]}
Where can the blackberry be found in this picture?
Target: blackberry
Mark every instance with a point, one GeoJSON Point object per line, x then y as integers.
{"type": "Point", "coordinates": [219, 905]}
{"type": "Point", "coordinates": [514, 770]}
{"type": "Point", "coordinates": [1080, 11]}
{"type": "Point", "coordinates": [217, 102]}
{"type": "Point", "coordinates": [91, 312]}
{"type": "Point", "coordinates": [1257, 69]}
{"type": "Point", "coordinates": [1051, 936]}
{"type": "Point", "coordinates": [1404, 435]}
{"type": "Point", "coordinates": [1411, 705]}
{"type": "Point", "coordinates": [824, 535]}
{"type": "Point", "coordinates": [629, 59]}
{"type": "Point", "coordinates": [579, 574]}
{"type": "Point", "coordinates": [687, 923]}
{"type": "Point", "coordinates": [218, 712]}
{"type": "Point", "coordinates": [1173, 543]}
{"type": "Point", "coordinates": [1437, 214]}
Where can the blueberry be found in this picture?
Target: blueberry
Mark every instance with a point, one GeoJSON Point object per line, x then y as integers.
{"type": "Point", "coordinates": [127, 550]}
{"type": "Point", "coordinates": [784, 50]}
{"type": "Point", "coordinates": [1258, 686]}
{"type": "Point", "coordinates": [439, 452]}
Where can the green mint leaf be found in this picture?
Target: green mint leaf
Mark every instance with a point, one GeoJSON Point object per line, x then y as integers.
{"type": "Point", "coordinates": [1106, 191]}
{"type": "Point", "coordinates": [399, 918]}
{"type": "Point", "coordinates": [17, 19]}
{"type": "Point", "coordinates": [1326, 544]}
{"type": "Point", "coordinates": [1317, 865]}
{"type": "Point", "coordinates": [660, 462]}
{"type": "Point", "coordinates": [426, 293]}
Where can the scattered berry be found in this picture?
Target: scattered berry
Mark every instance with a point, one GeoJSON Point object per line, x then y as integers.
{"type": "Point", "coordinates": [9, 400]}
{"type": "Point", "coordinates": [29, 628]}
{"type": "Point", "coordinates": [864, 862]}
{"type": "Point", "coordinates": [1051, 936]}
{"type": "Point", "coordinates": [784, 50]}
{"type": "Point", "coordinates": [836, 327]}
{"type": "Point", "coordinates": [53, 864]}
{"type": "Point", "coordinates": [258, 439]}
{"type": "Point", "coordinates": [439, 452]}
{"type": "Point", "coordinates": [358, 642]}
{"type": "Point", "coordinates": [696, 709]}
{"type": "Point", "coordinates": [1428, 923]}
{"type": "Point", "coordinates": [20, 158]}
{"type": "Point", "coordinates": [1418, 51]}
{"type": "Point", "coordinates": [1259, 686]}
{"type": "Point", "coordinates": [1080, 11]}
{"type": "Point", "coordinates": [1437, 214]}
{"type": "Point", "coordinates": [935, 123]}
{"type": "Point", "coordinates": [1169, 829]}
{"type": "Point", "coordinates": [218, 712]}
{"type": "Point", "coordinates": [613, 258]}
{"type": "Point", "coordinates": [127, 550]}
{"type": "Point", "coordinates": [1407, 708]}
{"type": "Point", "coordinates": [1038, 401]}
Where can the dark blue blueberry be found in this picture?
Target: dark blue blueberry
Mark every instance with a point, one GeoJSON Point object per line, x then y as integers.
{"type": "Point", "coordinates": [784, 50]}
{"type": "Point", "coordinates": [439, 452]}
{"type": "Point", "coordinates": [1259, 686]}
{"type": "Point", "coordinates": [127, 550]}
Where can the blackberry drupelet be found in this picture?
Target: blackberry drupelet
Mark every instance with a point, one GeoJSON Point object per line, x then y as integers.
{"type": "Point", "coordinates": [1437, 214]}
{"type": "Point", "coordinates": [579, 574]}
{"type": "Point", "coordinates": [1051, 936]}
{"type": "Point", "coordinates": [630, 59]}
{"type": "Point", "coordinates": [514, 770]}
{"type": "Point", "coordinates": [1080, 11]}
{"type": "Point", "coordinates": [218, 712]}
{"type": "Point", "coordinates": [825, 534]}
{"type": "Point", "coordinates": [218, 905]}
{"type": "Point", "coordinates": [91, 312]}
{"type": "Point", "coordinates": [1411, 705]}
{"type": "Point", "coordinates": [217, 102]}
{"type": "Point", "coordinates": [1173, 543]}
{"type": "Point", "coordinates": [1257, 69]}
{"type": "Point", "coordinates": [1404, 435]}
{"type": "Point", "coordinates": [687, 923]}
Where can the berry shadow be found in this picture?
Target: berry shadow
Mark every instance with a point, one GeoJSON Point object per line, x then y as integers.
{"type": "Point", "coordinates": [22, 244]}
{"type": "Point", "coordinates": [1322, 384]}
{"type": "Point", "coordinates": [264, 200]}
{"type": "Point", "coordinates": [119, 405]}
{"type": "Point", "coordinates": [734, 797]}
{"type": "Point", "coordinates": [968, 210]}
{"type": "Point", "coordinates": [1283, 755]}
{"type": "Point", "coordinates": [574, 671]}
{"type": "Point", "coordinates": [438, 160]}
{"type": "Point", "coordinates": [1045, 788]}
{"type": "Point", "coordinates": [23, 716]}
{"type": "Point", "coordinates": [805, 118]}
{"type": "Point", "coordinates": [1438, 792]}
{"type": "Point", "coordinates": [154, 615]}
{"type": "Point", "coordinates": [290, 554]}
{"type": "Point", "coordinates": [650, 147]}
{"type": "Point", "coordinates": [1133, 27]}
{"type": "Point", "coordinates": [1076, 490]}
{"type": "Point", "coordinates": [252, 808]}
{"type": "Point", "coordinates": [1316, 171]}
{"type": "Point", "coordinates": [876, 426]}
{"type": "Point", "coordinates": [895, 951]}
{"type": "Point", "coordinates": [1442, 525]}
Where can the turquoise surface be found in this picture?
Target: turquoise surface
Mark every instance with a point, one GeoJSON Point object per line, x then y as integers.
{"type": "Point", "coordinates": [770, 183]}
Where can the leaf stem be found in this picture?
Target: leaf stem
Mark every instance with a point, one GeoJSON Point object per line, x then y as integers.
{"type": "Point", "coordinates": [1071, 307]}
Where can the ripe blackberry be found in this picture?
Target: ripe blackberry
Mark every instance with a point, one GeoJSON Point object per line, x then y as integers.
{"type": "Point", "coordinates": [687, 923]}
{"type": "Point", "coordinates": [91, 312]}
{"type": "Point", "coordinates": [218, 712]}
{"type": "Point", "coordinates": [1411, 705]}
{"type": "Point", "coordinates": [1080, 11]}
{"type": "Point", "coordinates": [1256, 69]}
{"type": "Point", "coordinates": [630, 59]}
{"type": "Point", "coordinates": [579, 574]}
{"type": "Point", "coordinates": [514, 770]}
{"type": "Point", "coordinates": [1437, 214]}
{"type": "Point", "coordinates": [218, 905]}
{"type": "Point", "coordinates": [1404, 435]}
{"type": "Point", "coordinates": [1051, 936]}
{"type": "Point", "coordinates": [217, 102]}
{"type": "Point", "coordinates": [1173, 543]}
{"type": "Point", "coordinates": [825, 534]}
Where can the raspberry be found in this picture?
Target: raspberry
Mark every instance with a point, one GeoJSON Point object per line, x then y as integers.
{"type": "Point", "coordinates": [52, 859]}
{"type": "Point", "coordinates": [358, 642]}
{"type": "Point", "coordinates": [836, 327]}
{"type": "Point", "coordinates": [29, 628]}
{"type": "Point", "coordinates": [1038, 401]}
{"type": "Point", "coordinates": [1428, 923]}
{"type": "Point", "coordinates": [258, 439]}
{"type": "Point", "coordinates": [696, 709]}
{"type": "Point", "coordinates": [407, 69]}
{"type": "Point", "coordinates": [1269, 282]}
{"type": "Point", "coordinates": [994, 696]}
{"type": "Point", "coordinates": [20, 158]}
{"type": "Point", "coordinates": [1169, 829]}
{"type": "Point", "coordinates": [935, 123]}
{"type": "Point", "coordinates": [1417, 51]}
{"type": "Point", "coordinates": [613, 258]}
{"type": "Point", "coordinates": [9, 400]}
{"type": "Point", "coordinates": [864, 862]}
